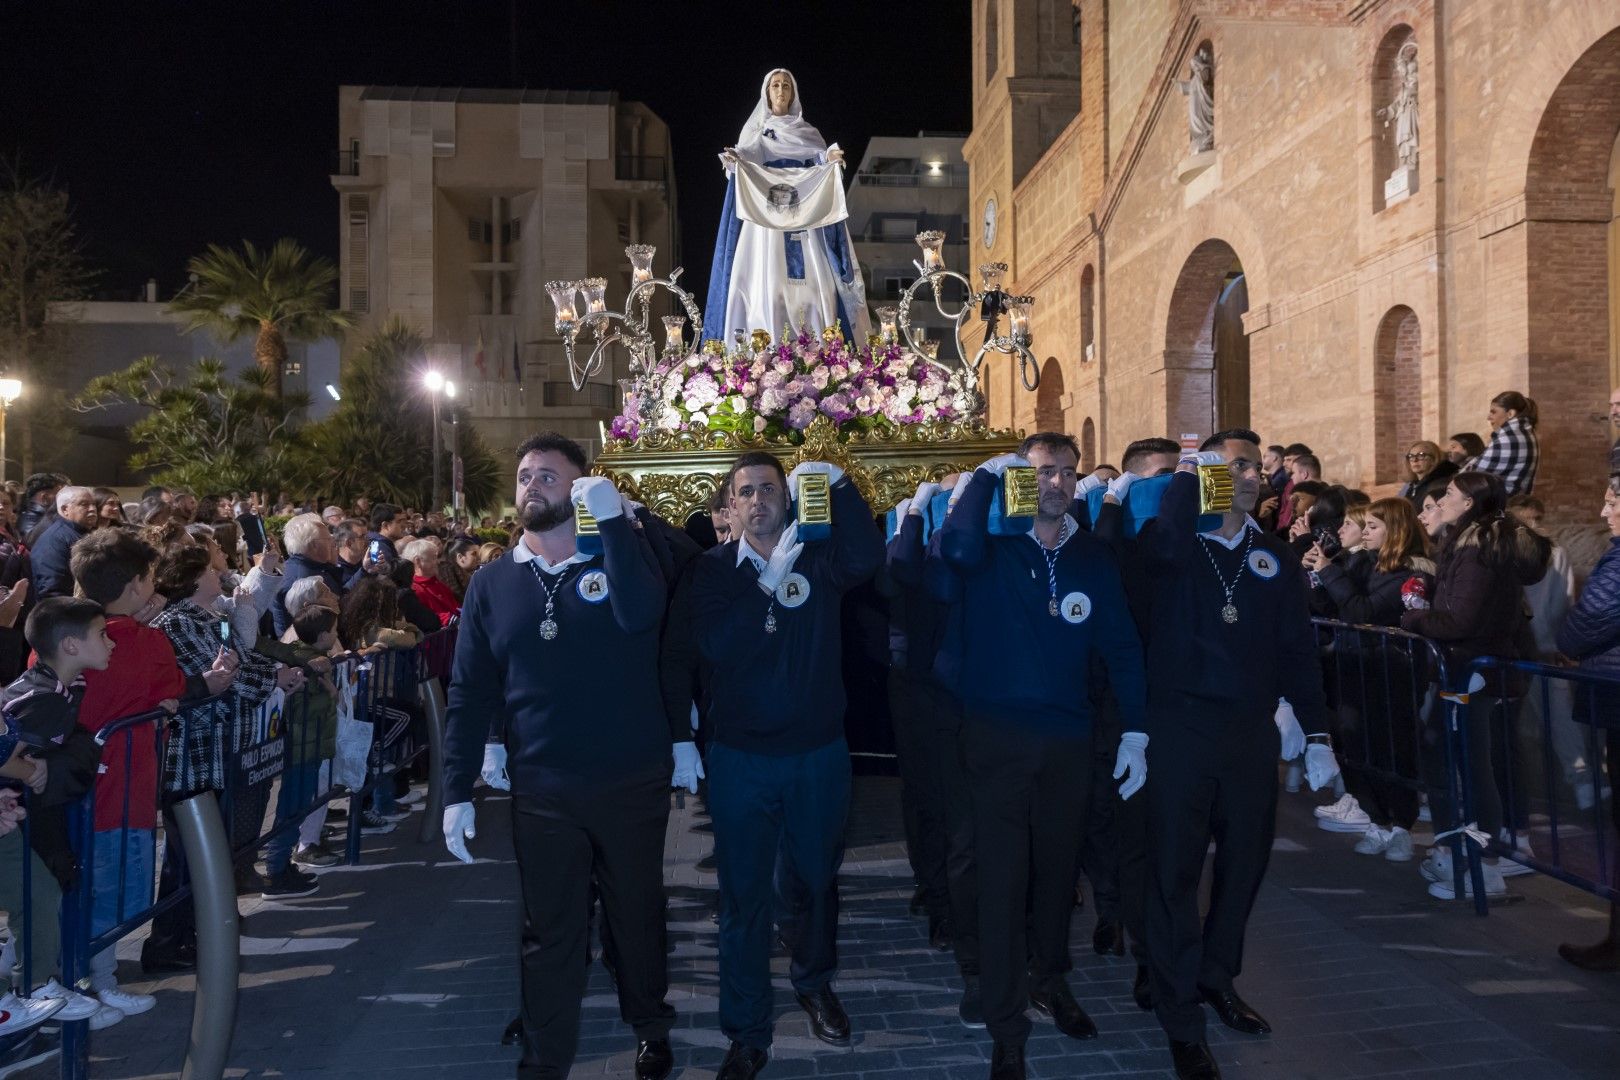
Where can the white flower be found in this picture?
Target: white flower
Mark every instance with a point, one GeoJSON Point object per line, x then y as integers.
{"type": "Point", "coordinates": [759, 425]}
{"type": "Point", "coordinates": [700, 417]}
{"type": "Point", "coordinates": [739, 404]}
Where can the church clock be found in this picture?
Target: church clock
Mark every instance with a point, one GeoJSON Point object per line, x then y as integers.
{"type": "Point", "coordinates": [989, 223]}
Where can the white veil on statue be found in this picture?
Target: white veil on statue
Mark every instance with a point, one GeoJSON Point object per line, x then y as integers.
{"type": "Point", "coordinates": [764, 279]}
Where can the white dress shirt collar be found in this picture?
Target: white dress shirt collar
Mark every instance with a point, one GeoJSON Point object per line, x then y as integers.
{"type": "Point", "coordinates": [521, 554]}
{"type": "Point", "coordinates": [1235, 542]}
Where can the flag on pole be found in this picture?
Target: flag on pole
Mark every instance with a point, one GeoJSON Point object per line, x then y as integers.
{"type": "Point", "coordinates": [500, 368]}
{"type": "Point", "coordinates": [517, 363]}
{"type": "Point", "coordinates": [478, 357]}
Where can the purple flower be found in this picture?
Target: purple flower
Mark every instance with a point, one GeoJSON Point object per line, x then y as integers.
{"type": "Point", "coordinates": [800, 415]}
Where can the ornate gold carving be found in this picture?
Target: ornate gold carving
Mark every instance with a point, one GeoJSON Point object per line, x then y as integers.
{"type": "Point", "coordinates": [674, 473]}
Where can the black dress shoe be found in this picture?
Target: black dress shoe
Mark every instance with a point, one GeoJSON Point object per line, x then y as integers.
{"type": "Point", "coordinates": [1193, 1061]}
{"type": "Point", "coordinates": [1234, 1012]}
{"type": "Point", "coordinates": [971, 1008]}
{"type": "Point", "coordinates": [742, 1063]}
{"type": "Point", "coordinates": [1007, 1062]}
{"type": "Point", "coordinates": [169, 960]}
{"type": "Point", "coordinates": [1066, 1013]}
{"type": "Point", "coordinates": [941, 934]}
{"type": "Point", "coordinates": [919, 901]}
{"type": "Point", "coordinates": [828, 1021]}
{"type": "Point", "coordinates": [513, 1032]}
{"type": "Point", "coordinates": [654, 1061]}
{"type": "Point", "coordinates": [1109, 937]}
{"type": "Point", "coordinates": [1142, 989]}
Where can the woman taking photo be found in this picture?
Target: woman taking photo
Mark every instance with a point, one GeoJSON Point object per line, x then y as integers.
{"type": "Point", "coordinates": [1381, 679]}
{"type": "Point", "coordinates": [1478, 610]}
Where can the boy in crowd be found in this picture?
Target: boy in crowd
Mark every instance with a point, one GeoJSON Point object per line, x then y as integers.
{"type": "Point", "coordinates": [69, 637]}
{"type": "Point", "coordinates": [114, 568]}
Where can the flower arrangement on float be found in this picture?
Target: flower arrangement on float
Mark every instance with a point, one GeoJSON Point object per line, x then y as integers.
{"type": "Point", "coordinates": [777, 390]}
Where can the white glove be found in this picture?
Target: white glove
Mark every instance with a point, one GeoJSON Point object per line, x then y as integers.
{"type": "Point", "coordinates": [1119, 485]}
{"type": "Point", "coordinates": [688, 767]}
{"type": "Point", "coordinates": [494, 771]}
{"type": "Point", "coordinates": [1088, 484]}
{"type": "Point", "coordinates": [1293, 736]}
{"type": "Point", "coordinates": [956, 493]}
{"type": "Point", "coordinates": [458, 829]}
{"type": "Point", "coordinates": [600, 497]}
{"type": "Point", "coordinates": [1132, 759]}
{"type": "Point", "coordinates": [1320, 765]}
{"type": "Point", "coordinates": [782, 559]}
{"type": "Point", "coordinates": [1002, 462]}
{"type": "Point", "coordinates": [832, 472]}
{"type": "Point", "coordinates": [694, 716]}
{"type": "Point", "coordinates": [630, 505]}
{"type": "Point", "coordinates": [1203, 457]}
{"type": "Point", "coordinates": [925, 495]}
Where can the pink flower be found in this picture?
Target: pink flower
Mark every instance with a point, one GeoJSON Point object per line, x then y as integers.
{"type": "Point", "coordinates": [701, 391]}
{"type": "Point", "coordinates": [800, 415]}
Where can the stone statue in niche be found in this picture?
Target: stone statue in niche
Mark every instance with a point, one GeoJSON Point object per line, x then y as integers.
{"type": "Point", "coordinates": [1200, 91]}
{"type": "Point", "coordinates": [1402, 111]}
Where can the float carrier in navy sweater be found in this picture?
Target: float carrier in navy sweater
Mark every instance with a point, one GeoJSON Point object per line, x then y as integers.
{"type": "Point", "coordinates": [1021, 664]}
{"type": "Point", "coordinates": [580, 709]}
{"type": "Point", "coordinates": [782, 693]}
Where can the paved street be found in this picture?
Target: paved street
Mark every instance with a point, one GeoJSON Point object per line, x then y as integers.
{"type": "Point", "coordinates": [404, 967]}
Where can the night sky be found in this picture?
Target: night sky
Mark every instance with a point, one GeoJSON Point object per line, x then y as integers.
{"type": "Point", "coordinates": [173, 125]}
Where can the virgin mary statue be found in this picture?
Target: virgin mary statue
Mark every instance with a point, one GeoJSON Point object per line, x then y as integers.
{"type": "Point", "coordinates": [783, 257]}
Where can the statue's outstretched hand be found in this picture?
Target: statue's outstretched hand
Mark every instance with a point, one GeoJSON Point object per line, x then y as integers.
{"type": "Point", "coordinates": [728, 159]}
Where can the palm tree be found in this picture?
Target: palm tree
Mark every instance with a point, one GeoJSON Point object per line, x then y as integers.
{"type": "Point", "coordinates": [276, 294]}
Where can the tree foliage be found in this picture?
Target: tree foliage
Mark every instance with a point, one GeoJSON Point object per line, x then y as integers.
{"type": "Point", "coordinates": [43, 272]}
{"type": "Point", "coordinates": [275, 294]}
{"type": "Point", "coordinates": [208, 431]}
{"type": "Point", "coordinates": [379, 441]}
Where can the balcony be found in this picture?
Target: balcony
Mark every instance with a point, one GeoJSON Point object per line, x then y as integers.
{"type": "Point", "coordinates": [643, 168]}
{"type": "Point", "coordinates": [346, 162]}
{"type": "Point", "coordinates": [949, 176]}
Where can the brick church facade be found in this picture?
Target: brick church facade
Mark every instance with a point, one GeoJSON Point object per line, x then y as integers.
{"type": "Point", "coordinates": [1294, 276]}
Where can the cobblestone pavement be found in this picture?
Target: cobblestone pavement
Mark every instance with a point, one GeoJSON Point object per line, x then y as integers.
{"type": "Point", "coordinates": [404, 967]}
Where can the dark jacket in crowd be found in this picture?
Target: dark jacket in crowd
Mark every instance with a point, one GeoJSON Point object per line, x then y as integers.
{"type": "Point", "coordinates": [782, 693]}
{"type": "Point", "coordinates": [297, 568]}
{"type": "Point", "coordinates": [1361, 593]}
{"type": "Point", "coordinates": [1478, 606]}
{"type": "Point", "coordinates": [52, 573]}
{"type": "Point", "coordinates": [1435, 482]}
{"type": "Point", "coordinates": [45, 714]}
{"type": "Point", "coordinates": [32, 516]}
{"type": "Point", "coordinates": [1590, 633]}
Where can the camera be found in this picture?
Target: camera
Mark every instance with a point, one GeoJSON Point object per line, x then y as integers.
{"type": "Point", "coordinates": [1328, 540]}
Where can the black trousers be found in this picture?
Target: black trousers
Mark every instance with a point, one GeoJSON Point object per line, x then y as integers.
{"type": "Point", "coordinates": [1099, 852]}
{"type": "Point", "coordinates": [564, 839]}
{"type": "Point", "coordinates": [1376, 726]}
{"type": "Point", "coordinates": [1212, 777]}
{"type": "Point", "coordinates": [1030, 796]}
{"type": "Point", "coordinates": [176, 927]}
{"type": "Point", "coordinates": [921, 803]}
{"type": "Point", "coordinates": [956, 797]}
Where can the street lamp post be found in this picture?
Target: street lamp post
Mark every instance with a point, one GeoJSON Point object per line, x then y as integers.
{"type": "Point", "coordinates": [434, 381]}
{"type": "Point", "coordinates": [10, 390]}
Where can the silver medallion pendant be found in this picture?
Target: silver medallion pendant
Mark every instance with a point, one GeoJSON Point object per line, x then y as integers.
{"type": "Point", "coordinates": [1052, 607]}
{"type": "Point", "coordinates": [1229, 613]}
{"type": "Point", "coordinates": [548, 629]}
{"type": "Point", "coordinates": [770, 622]}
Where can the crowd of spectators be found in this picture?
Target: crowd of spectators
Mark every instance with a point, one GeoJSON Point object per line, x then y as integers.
{"type": "Point", "coordinates": [202, 609]}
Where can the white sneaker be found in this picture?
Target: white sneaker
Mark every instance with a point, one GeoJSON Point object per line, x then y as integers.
{"type": "Point", "coordinates": [1292, 778]}
{"type": "Point", "coordinates": [20, 1013]}
{"type": "Point", "coordinates": [1374, 841]}
{"type": "Point", "coordinates": [1399, 847]}
{"type": "Point", "coordinates": [127, 1002]}
{"type": "Point", "coordinates": [1346, 816]}
{"type": "Point", "coordinates": [1436, 866]}
{"type": "Point", "coordinates": [1521, 844]}
{"type": "Point", "coordinates": [75, 1006]}
{"type": "Point", "coordinates": [412, 797]}
{"type": "Point", "coordinates": [1494, 885]}
{"type": "Point", "coordinates": [105, 1017]}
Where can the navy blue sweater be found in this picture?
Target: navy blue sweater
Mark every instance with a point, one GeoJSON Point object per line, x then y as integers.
{"type": "Point", "coordinates": [1025, 666]}
{"type": "Point", "coordinates": [1236, 669]}
{"type": "Point", "coordinates": [917, 621]}
{"type": "Point", "coordinates": [580, 709]}
{"type": "Point", "coordinates": [782, 693]}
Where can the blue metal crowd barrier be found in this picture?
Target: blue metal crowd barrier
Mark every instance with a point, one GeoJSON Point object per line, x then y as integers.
{"type": "Point", "coordinates": [397, 692]}
{"type": "Point", "coordinates": [1544, 782]}
{"type": "Point", "coordinates": [1396, 726]}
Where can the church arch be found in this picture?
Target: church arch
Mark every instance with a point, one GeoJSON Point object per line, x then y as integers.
{"type": "Point", "coordinates": [1088, 447]}
{"type": "Point", "coordinates": [1049, 397]}
{"type": "Point", "coordinates": [1206, 350]}
{"type": "Point", "coordinates": [1397, 392]}
{"type": "Point", "coordinates": [1088, 314]}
